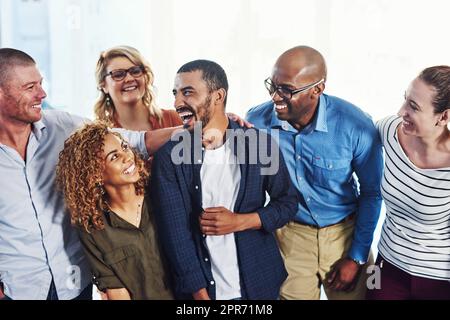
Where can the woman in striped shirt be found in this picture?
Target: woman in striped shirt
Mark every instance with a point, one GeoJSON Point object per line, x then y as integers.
{"type": "Point", "coordinates": [414, 248]}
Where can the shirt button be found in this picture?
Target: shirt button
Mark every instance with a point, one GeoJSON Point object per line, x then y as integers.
{"type": "Point", "coordinates": [204, 236]}
{"type": "Point", "coordinates": [199, 161]}
{"type": "Point", "coordinates": [308, 200]}
{"type": "Point", "coordinates": [206, 259]}
{"type": "Point", "coordinates": [211, 282]}
{"type": "Point", "coordinates": [330, 166]}
{"type": "Point", "coordinates": [196, 187]}
{"type": "Point", "coordinates": [299, 157]}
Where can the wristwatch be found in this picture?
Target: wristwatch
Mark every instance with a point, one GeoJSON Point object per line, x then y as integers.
{"type": "Point", "coordinates": [358, 262]}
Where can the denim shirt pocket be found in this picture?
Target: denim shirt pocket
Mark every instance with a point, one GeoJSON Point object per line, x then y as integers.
{"type": "Point", "coordinates": [329, 173]}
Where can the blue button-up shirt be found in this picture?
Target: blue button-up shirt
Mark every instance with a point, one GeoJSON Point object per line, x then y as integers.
{"type": "Point", "coordinates": [326, 160]}
{"type": "Point", "coordinates": [37, 241]}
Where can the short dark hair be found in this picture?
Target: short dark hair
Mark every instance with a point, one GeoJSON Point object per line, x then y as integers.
{"type": "Point", "coordinates": [439, 78]}
{"type": "Point", "coordinates": [212, 73]}
{"type": "Point", "coordinates": [10, 58]}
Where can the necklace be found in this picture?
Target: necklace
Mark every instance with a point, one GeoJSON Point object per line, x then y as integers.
{"type": "Point", "coordinates": [138, 215]}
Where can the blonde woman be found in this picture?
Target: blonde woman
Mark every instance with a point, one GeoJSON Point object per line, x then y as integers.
{"type": "Point", "coordinates": [104, 182]}
{"type": "Point", "coordinates": [125, 80]}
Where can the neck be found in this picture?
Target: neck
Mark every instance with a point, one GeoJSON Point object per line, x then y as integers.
{"type": "Point", "coordinates": [429, 145]}
{"type": "Point", "coordinates": [133, 116]}
{"type": "Point", "coordinates": [306, 117]}
{"type": "Point", "coordinates": [122, 199]}
{"type": "Point", "coordinates": [15, 135]}
{"type": "Point", "coordinates": [214, 131]}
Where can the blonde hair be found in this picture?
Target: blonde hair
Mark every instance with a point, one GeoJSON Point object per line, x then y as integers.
{"type": "Point", "coordinates": [105, 111]}
{"type": "Point", "coordinates": [79, 174]}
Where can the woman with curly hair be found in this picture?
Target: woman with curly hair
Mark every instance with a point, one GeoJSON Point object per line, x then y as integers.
{"type": "Point", "coordinates": [104, 182]}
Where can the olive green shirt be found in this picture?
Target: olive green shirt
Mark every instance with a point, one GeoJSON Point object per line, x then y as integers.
{"type": "Point", "coordinates": [123, 256]}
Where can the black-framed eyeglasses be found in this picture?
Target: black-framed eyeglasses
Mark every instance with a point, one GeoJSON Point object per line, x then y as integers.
{"type": "Point", "coordinates": [120, 74]}
{"type": "Point", "coordinates": [285, 92]}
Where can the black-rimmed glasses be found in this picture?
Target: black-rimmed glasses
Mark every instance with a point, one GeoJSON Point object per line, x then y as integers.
{"type": "Point", "coordinates": [120, 74]}
{"type": "Point", "coordinates": [285, 92]}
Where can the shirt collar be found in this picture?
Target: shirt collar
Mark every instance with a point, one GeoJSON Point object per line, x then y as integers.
{"type": "Point", "coordinates": [319, 122]}
{"type": "Point", "coordinates": [37, 128]}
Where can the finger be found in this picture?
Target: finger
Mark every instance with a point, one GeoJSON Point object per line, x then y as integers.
{"type": "Point", "coordinates": [207, 223]}
{"type": "Point", "coordinates": [210, 216]}
{"type": "Point", "coordinates": [214, 209]}
{"type": "Point", "coordinates": [247, 124]}
{"type": "Point", "coordinates": [330, 277]}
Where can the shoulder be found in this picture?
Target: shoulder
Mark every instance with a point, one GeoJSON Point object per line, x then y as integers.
{"type": "Point", "coordinates": [171, 117]}
{"type": "Point", "coordinates": [349, 115]}
{"type": "Point", "coordinates": [387, 125]}
{"type": "Point", "coordinates": [261, 113]}
{"type": "Point", "coordinates": [62, 118]}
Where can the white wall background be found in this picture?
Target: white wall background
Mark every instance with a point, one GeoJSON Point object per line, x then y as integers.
{"type": "Point", "coordinates": [373, 48]}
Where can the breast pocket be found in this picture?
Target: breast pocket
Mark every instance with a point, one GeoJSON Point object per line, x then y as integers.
{"type": "Point", "coordinates": [121, 259]}
{"type": "Point", "coordinates": [330, 173]}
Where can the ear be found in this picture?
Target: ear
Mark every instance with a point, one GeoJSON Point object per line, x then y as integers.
{"type": "Point", "coordinates": [443, 118]}
{"type": "Point", "coordinates": [220, 96]}
{"type": "Point", "coordinates": [319, 89]}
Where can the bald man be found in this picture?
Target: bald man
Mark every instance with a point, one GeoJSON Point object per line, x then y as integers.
{"type": "Point", "coordinates": [334, 158]}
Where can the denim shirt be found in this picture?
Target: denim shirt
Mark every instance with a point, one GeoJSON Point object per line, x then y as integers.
{"type": "Point", "coordinates": [335, 164]}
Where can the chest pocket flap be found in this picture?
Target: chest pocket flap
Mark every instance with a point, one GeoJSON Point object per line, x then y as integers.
{"type": "Point", "coordinates": [119, 254]}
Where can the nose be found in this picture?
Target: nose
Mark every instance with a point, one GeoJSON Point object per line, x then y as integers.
{"type": "Point", "coordinates": [128, 76]}
{"type": "Point", "coordinates": [402, 111]}
{"type": "Point", "coordinates": [41, 92]}
{"type": "Point", "coordinates": [129, 156]}
{"type": "Point", "coordinates": [276, 97]}
{"type": "Point", "coordinates": [178, 102]}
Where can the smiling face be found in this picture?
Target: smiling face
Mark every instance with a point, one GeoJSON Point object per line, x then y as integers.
{"type": "Point", "coordinates": [192, 98]}
{"type": "Point", "coordinates": [120, 163]}
{"type": "Point", "coordinates": [291, 73]}
{"type": "Point", "coordinates": [21, 97]}
{"type": "Point", "coordinates": [417, 111]}
{"type": "Point", "coordinates": [130, 90]}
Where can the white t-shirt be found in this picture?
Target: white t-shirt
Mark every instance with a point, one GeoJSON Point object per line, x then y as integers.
{"type": "Point", "coordinates": [220, 178]}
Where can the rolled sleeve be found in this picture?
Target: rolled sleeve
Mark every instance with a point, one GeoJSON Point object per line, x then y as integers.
{"type": "Point", "coordinates": [102, 275]}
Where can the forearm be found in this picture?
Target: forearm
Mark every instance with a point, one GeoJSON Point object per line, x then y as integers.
{"type": "Point", "coordinates": [248, 221]}
{"type": "Point", "coordinates": [366, 222]}
{"type": "Point", "coordinates": [201, 294]}
{"type": "Point", "coordinates": [118, 294]}
{"type": "Point", "coordinates": [155, 139]}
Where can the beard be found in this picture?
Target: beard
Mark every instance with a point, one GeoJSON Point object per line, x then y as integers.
{"type": "Point", "coordinates": [206, 108]}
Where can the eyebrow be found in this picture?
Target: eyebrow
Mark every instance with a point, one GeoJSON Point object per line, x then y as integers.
{"type": "Point", "coordinates": [182, 89]}
{"type": "Point", "coordinates": [415, 103]}
{"type": "Point", "coordinates": [115, 150]}
{"type": "Point", "coordinates": [122, 143]}
{"type": "Point", "coordinates": [32, 82]}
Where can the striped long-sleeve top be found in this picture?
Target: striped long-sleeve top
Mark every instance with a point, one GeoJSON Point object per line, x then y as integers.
{"type": "Point", "coordinates": [416, 233]}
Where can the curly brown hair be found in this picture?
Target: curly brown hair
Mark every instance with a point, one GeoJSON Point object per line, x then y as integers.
{"type": "Point", "coordinates": [79, 174]}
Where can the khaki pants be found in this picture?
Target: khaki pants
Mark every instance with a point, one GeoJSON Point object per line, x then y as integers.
{"type": "Point", "coordinates": [308, 255]}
